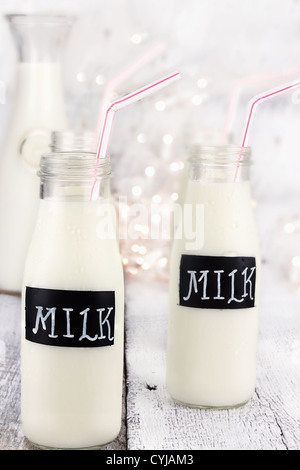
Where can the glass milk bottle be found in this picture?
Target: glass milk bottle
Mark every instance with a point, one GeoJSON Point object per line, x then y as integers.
{"type": "Point", "coordinates": [38, 107]}
{"type": "Point", "coordinates": [73, 309]}
{"type": "Point", "coordinates": [214, 278]}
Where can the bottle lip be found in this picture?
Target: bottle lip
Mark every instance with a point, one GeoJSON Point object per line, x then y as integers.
{"type": "Point", "coordinates": [74, 166]}
{"type": "Point", "coordinates": [223, 154]}
{"type": "Point", "coordinates": [39, 18]}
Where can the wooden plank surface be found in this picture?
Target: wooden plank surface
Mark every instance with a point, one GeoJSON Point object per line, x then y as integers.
{"type": "Point", "coordinates": [271, 420]}
{"type": "Point", "coordinates": [151, 419]}
{"type": "Point", "coordinates": [11, 436]}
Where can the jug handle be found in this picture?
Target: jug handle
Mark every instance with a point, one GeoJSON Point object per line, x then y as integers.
{"type": "Point", "coordinates": [33, 144]}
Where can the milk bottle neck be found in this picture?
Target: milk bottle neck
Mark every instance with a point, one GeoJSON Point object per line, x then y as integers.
{"type": "Point", "coordinates": [74, 177]}
{"type": "Point", "coordinates": [219, 164]}
{"type": "Point", "coordinates": [40, 38]}
{"type": "Point", "coordinates": [77, 141]}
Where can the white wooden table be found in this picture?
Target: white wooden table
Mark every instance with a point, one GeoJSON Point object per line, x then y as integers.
{"type": "Point", "coordinates": [151, 419]}
{"type": "Point", "coordinates": [271, 420]}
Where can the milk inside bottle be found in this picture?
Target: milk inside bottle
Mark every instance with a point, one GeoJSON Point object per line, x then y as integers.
{"type": "Point", "coordinates": [38, 107]}
{"type": "Point", "coordinates": [214, 279]}
{"type": "Point", "coordinates": [73, 309]}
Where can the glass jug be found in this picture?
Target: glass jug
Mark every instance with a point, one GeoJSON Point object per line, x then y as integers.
{"type": "Point", "coordinates": [38, 108]}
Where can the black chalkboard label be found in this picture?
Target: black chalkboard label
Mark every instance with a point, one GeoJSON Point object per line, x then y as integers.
{"type": "Point", "coordinates": [221, 282]}
{"type": "Point", "coordinates": [80, 319]}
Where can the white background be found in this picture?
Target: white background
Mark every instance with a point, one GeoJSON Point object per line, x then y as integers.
{"type": "Point", "coordinates": [220, 42]}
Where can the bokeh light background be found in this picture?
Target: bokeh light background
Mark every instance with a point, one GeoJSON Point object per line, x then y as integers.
{"type": "Point", "coordinates": [226, 51]}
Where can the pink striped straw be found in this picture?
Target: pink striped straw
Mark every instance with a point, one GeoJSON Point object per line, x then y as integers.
{"type": "Point", "coordinates": [123, 75]}
{"type": "Point", "coordinates": [256, 100]}
{"type": "Point", "coordinates": [238, 86]}
{"type": "Point", "coordinates": [122, 103]}
{"type": "Point", "coordinates": [125, 101]}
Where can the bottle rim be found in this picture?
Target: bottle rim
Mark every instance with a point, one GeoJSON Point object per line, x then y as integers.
{"type": "Point", "coordinates": [74, 166]}
{"type": "Point", "coordinates": [39, 18]}
{"type": "Point", "coordinates": [220, 154]}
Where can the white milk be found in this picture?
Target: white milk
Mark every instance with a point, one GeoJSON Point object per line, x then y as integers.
{"type": "Point", "coordinates": [72, 397]}
{"type": "Point", "coordinates": [39, 108]}
{"type": "Point", "coordinates": [211, 355]}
